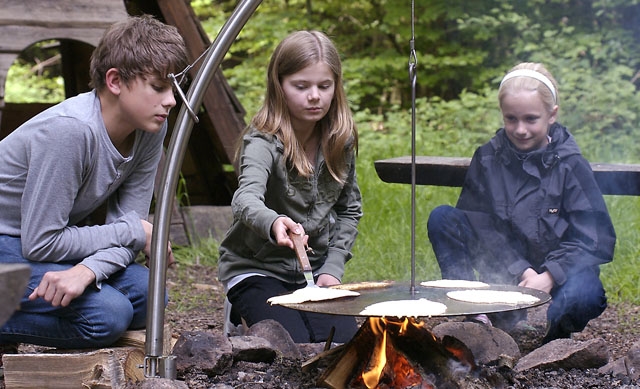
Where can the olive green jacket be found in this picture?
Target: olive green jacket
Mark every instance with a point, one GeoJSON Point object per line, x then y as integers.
{"type": "Point", "coordinates": [328, 211]}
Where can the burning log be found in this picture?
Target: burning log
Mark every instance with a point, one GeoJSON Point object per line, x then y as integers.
{"type": "Point", "coordinates": [400, 353]}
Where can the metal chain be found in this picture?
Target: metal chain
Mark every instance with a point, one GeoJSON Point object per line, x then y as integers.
{"type": "Point", "coordinates": [177, 80]}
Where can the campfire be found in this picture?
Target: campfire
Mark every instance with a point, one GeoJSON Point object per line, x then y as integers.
{"type": "Point", "coordinates": [398, 353]}
{"type": "Point", "coordinates": [392, 349]}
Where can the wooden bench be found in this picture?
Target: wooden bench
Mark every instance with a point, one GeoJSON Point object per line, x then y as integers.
{"type": "Point", "coordinates": [613, 179]}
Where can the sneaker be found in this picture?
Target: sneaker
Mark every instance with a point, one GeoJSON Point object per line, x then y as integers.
{"type": "Point", "coordinates": [480, 319]}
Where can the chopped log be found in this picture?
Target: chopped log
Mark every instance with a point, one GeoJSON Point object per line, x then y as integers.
{"type": "Point", "coordinates": [104, 368]}
{"type": "Point", "coordinates": [13, 282]}
{"type": "Point", "coordinates": [355, 353]}
{"type": "Point", "coordinates": [137, 339]}
{"type": "Point", "coordinates": [310, 363]}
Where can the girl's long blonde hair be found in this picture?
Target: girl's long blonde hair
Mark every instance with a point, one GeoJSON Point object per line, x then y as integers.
{"type": "Point", "coordinates": [338, 134]}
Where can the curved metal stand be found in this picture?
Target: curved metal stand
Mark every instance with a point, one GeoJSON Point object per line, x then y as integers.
{"type": "Point", "coordinates": [166, 193]}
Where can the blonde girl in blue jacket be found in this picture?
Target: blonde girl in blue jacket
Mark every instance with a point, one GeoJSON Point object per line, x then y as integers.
{"type": "Point", "coordinates": [530, 212]}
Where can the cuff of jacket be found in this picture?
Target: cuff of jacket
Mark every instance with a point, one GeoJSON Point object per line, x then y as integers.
{"type": "Point", "coordinates": [518, 267]}
{"type": "Point", "coordinates": [334, 264]}
{"type": "Point", "coordinates": [558, 274]}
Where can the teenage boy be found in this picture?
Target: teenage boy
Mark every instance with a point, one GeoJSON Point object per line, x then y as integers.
{"type": "Point", "coordinates": [100, 147]}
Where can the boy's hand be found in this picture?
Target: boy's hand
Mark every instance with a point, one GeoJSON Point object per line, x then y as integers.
{"type": "Point", "coordinates": [170, 258]}
{"type": "Point", "coordinates": [148, 229]}
{"type": "Point", "coordinates": [60, 287]}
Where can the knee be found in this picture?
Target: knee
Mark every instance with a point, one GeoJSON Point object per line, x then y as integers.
{"type": "Point", "coordinates": [582, 295]}
{"type": "Point", "coordinates": [111, 322]}
{"type": "Point", "coordinates": [438, 217]}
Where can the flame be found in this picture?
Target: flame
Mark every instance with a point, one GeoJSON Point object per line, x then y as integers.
{"type": "Point", "coordinates": [401, 372]}
{"type": "Point", "coordinates": [379, 356]}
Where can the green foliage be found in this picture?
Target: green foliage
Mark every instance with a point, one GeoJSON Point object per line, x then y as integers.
{"type": "Point", "coordinates": [24, 86]}
{"type": "Point", "coordinates": [620, 277]}
{"type": "Point", "coordinates": [204, 253]}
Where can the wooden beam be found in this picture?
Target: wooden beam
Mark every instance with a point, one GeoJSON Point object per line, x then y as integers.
{"type": "Point", "coordinates": [220, 103]}
{"type": "Point", "coordinates": [66, 13]}
{"type": "Point", "coordinates": [613, 179]}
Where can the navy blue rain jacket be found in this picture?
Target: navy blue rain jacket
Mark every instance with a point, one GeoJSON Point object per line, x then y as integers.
{"type": "Point", "coordinates": [541, 209]}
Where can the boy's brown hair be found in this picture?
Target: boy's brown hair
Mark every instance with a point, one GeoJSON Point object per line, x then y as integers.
{"type": "Point", "coordinates": [137, 46]}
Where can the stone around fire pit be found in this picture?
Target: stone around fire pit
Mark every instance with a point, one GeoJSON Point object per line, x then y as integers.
{"type": "Point", "coordinates": [566, 354]}
{"type": "Point", "coordinates": [162, 383]}
{"type": "Point", "coordinates": [252, 349]}
{"type": "Point", "coordinates": [215, 353]}
{"type": "Point", "coordinates": [629, 365]}
{"type": "Point", "coordinates": [206, 351]}
{"type": "Point", "coordinates": [277, 335]}
{"type": "Point", "coordinates": [489, 345]}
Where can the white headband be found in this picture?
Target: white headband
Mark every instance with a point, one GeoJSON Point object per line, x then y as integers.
{"type": "Point", "coordinates": [533, 74]}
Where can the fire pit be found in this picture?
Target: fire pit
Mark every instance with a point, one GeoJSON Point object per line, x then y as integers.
{"type": "Point", "coordinates": [399, 352]}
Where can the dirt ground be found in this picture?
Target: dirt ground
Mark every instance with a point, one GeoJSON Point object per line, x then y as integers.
{"type": "Point", "coordinates": [196, 301]}
{"type": "Point", "coordinates": [618, 326]}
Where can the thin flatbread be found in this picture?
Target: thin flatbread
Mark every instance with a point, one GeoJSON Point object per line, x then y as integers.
{"type": "Point", "coordinates": [405, 308]}
{"type": "Point", "coordinates": [303, 295]}
{"type": "Point", "coordinates": [445, 283]}
{"type": "Point", "coordinates": [483, 296]}
{"type": "Point", "coordinates": [363, 285]}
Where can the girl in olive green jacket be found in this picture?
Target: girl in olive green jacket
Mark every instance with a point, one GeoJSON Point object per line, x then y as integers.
{"type": "Point", "coordinates": [297, 174]}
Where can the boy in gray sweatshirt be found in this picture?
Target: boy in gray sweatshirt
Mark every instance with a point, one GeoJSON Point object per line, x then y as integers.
{"type": "Point", "coordinates": [98, 148]}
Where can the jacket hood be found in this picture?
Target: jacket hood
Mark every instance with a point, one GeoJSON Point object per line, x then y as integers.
{"type": "Point", "coordinates": [563, 145]}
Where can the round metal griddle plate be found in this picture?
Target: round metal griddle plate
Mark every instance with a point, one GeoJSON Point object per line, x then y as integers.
{"type": "Point", "coordinates": [391, 291]}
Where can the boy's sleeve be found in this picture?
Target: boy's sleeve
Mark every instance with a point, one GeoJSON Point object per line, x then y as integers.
{"type": "Point", "coordinates": [108, 261]}
{"type": "Point", "coordinates": [55, 181]}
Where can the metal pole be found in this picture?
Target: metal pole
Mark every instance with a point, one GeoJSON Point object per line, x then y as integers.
{"type": "Point", "coordinates": [175, 154]}
{"type": "Point", "coordinates": [413, 63]}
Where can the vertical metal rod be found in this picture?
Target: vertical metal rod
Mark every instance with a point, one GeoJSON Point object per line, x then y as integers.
{"type": "Point", "coordinates": [413, 63]}
{"type": "Point", "coordinates": [166, 194]}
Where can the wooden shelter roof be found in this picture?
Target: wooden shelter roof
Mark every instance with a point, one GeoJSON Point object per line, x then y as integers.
{"type": "Point", "coordinates": [78, 25]}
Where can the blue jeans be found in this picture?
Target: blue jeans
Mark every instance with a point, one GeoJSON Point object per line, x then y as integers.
{"type": "Point", "coordinates": [460, 254]}
{"type": "Point", "coordinates": [97, 318]}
